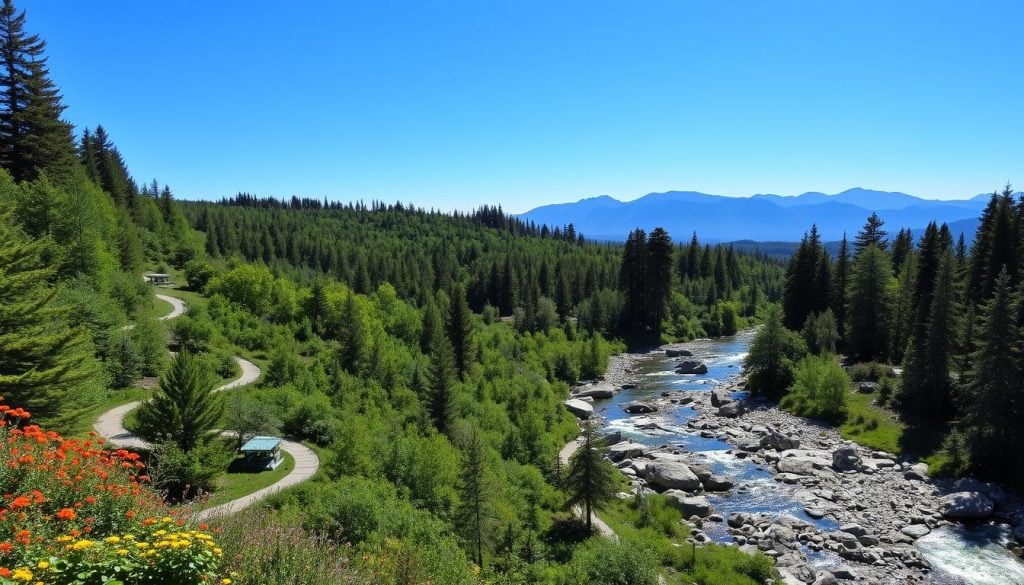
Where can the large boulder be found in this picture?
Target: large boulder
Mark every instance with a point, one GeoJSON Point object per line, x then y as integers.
{"type": "Point", "coordinates": [845, 459]}
{"type": "Point", "coordinates": [691, 367]}
{"type": "Point", "coordinates": [637, 407]}
{"type": "Point", "coordinates": [598, 393]}
{"type": "Point", "coordinates": [689, 505]}
{"type": "Point", "coordinates": [612, 438]}
{"type": "Point", "coordinates": [671, 475]}
{"type": "Point", "coordinates": [579, 408]}
{"type": "Point", "coordinates": [721, 396]}
{"type": "Point", "coordinates": [678, 353]}
{"type": "Point", "coordinates": [966, 505]}
{"type": "Point", "coordinates": [779, 442]}
{"type": "Point", "coordinates": [917, 472]}
{"type": "Point", "coordinates": [731, 410]}
{"type": "Point", "coordinates": [798, 465]}
{"type": "Point", "coordinates": [626, 450]}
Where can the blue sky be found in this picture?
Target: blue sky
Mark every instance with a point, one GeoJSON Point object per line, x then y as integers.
{"type": "Point", "coordinates": [455, 104]}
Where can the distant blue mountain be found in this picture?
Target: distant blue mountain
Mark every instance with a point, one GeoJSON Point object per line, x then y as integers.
{"type": "Point", "coordinates": [760, 218]}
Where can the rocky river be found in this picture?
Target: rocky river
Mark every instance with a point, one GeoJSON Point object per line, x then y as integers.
{"type": "Point", "coordinates": [747, 474]}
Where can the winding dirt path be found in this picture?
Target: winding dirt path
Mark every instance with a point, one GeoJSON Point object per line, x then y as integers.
{"type": "Point", "coordinates": [110, 426]}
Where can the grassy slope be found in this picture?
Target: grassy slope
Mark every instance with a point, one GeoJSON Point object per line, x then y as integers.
{"type": "Point", "coordinates": [234, 485]}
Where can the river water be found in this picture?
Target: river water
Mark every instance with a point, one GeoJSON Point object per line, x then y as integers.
{"type": "Point", "coordinates": [958, 555]}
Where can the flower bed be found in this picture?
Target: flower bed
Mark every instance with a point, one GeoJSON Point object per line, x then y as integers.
{"type": "Point", "coordinates": [73, 512]}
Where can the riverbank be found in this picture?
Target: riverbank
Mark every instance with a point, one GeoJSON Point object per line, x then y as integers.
{"type": "Point", "coordinates": [855, 515]}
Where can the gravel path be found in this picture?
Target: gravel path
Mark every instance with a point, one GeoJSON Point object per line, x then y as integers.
{"type": "Point", "coordinates": [110, 426]}
{"type": "Point", "coordinates": [177, 304]}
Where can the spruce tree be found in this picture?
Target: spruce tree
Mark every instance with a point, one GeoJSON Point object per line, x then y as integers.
{"type": "Point", "coordinates": [441, 380]}
{"type": "Point", "coordinates": [869, 302]}
{"type": "Point", "coordinates": [353, 335]}
{"type": "Point", "coordinates": [185, 409]}
{"type": "Point", "coordinates": [871, 234]}
{"type": "Point", "coordinates": [591, 481]}
{"type": "Point", "coordinates": [474, 516]}
{"type": "Point", "coordinates": [633, 279]}
{"type": "Point", "coordinates": [459, 327]}
{"type": "Point", "coordinates": [658, 276]}
{"type": "Point", "coordinates": [45, 362]}
{"type": "Point", "coordinates": [693, 257]}
{"type": "Point", "coordinates": [773, 353]}
{"type": "Point", "coordinates": [840, 283]}
{"type": "Point", "coordinates": [994, 395]}
{"type": "Point", "coordinates": [33, 137]}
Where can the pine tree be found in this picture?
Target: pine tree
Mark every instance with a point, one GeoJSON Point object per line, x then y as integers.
{"type": "Point", "coordinates": [658, 275]}
{"type": "Point", "coordinates": [773, 353]}
{"type": "Point", "coordinates": [186, 408]}
{"type": "Point", "coordinates": [474, 515]}
{"type": "Point", "coordinates": [33, 137]}
{"type": "Point", "coordinates": [44, 361]}
{"type": "Point", "coordinates": [591, 480]}
{"type": "Point", "coordinates": [632, 278]}
{"type": "Point", "coordinates": [441, 380]}
{"type": "Point", "coordinates": [353, 335]}
{"type": "Point", "coordinates": [693, 258]}
{"type": "Point", "coordinates": [841, 282]}
{"type": "Point", "coordinates": [808, 281]}
{"type": "Point", "coordinates": [994, 397]}
{"type": "Point", "coordinates": [869, 301]}
{"type": "Point", "coordinates": [901, 248]}
{"type": "Point", "coordinates": [459, 327]}
{"type": "Point", "coordinates": [871, 234]}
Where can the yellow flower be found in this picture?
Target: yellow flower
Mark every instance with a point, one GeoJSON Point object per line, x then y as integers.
{"type": "Point", "coordinates": [122, 552]}
{"type": "Point", "coordinates": [64, 538]}
{"type": "Point", "coordinates": [44, 565]}
{"type": "Point", "coordinates": [226, 581]}
{"type": "Point", "coordinates": [167, 519]}
{"type": "Point", "coordinates": [22, 574]}
{"type": "Point", "coordinates": [112, 539]}
{"type": "Point", "coordinates": [82, 544]}
{"type": "Point", "coordinates": [218, 552]}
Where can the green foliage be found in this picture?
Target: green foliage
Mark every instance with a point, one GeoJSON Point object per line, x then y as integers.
{"type": "Point", "coordinates": [247, 418]}
{"type": "Point", "coordinates": [819, 389]}
{"type": "Point", "coordinates": [183, 475]}
{"type": "Point", "coordinates": [870, 372]}
{"type": "Point", "coordinates": [773, 353]}
{"type": "Point", "coordinates": [44, 359]}
{"type": "Point", "coordinates": [821, 333]}
{"type": "Point", "coordinates": [605, 562]}
{"type": "Point", "coordinates": [591, 481]}
{"type": "Point", "coordinates": [185, 409]}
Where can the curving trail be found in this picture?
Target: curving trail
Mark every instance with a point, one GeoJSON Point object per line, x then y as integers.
{"type": "Point", "coordinates": [110, 426]}
{"type": "Point", "coordinates": [177, 304]}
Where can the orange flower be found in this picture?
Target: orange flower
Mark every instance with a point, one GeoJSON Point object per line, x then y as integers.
{"type": "Point", "coordinates": [5, 572]}
{"type": "Point", "coordinates": [66, 514]}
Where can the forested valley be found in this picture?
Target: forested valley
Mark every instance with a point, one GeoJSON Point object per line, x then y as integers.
{"type": "Point", "coordinates": [422, 356]}
{"type": "Point", "coordinates": [423, 360]}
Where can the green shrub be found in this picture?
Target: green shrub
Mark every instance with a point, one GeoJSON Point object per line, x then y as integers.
{"type": "Point", "coordinates": [819, 389]}
{"type": "Point", "coordinates": [870, 372]}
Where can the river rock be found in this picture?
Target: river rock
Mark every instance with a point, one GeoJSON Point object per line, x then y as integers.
{"type": "Point", "coordinates": [625, 450]}
{"type": "Point", "coordinates": [731, 410]}
{"type": "Point", "coordinates": [798, 465]}
{"type": "Point", "coordinates": [579, 408]}
{"type": "Point", "coordinates": [917, 471]}
{"type": "Point", "coordinates": [691, 367]}
{"type": "Point", "coordinates": [689, 505]}
{"type": "Point", "coordinates": [671, 475]}
{"type": "Point", "coordinates": [612, 438]}
{"type": "Point", "coordinates": [915, 531]}
{"type": "Point", "coordinates": [966, 505]}
{"type": "Point", "coordinates": [599, 393]}
{"type": "Point", "coordinates": [637, 407]}
{"type": "Point", "coordinates": [779, 442]}
{"type": "Point", "coordinates": [678, 353]}
{"type": "Point", "coordinates": [721, 396]}
{"type": "Point", "coordinates": [845, 459]}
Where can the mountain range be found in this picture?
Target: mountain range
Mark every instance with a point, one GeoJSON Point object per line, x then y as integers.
{"type": "Point", "coordinates": [761, 218]}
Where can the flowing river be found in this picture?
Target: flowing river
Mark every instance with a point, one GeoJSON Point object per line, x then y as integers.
{"type": "Point", "coordinates": [959, 555]}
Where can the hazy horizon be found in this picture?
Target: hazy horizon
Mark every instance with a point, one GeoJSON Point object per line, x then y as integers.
{"type": "Point", "coordinates": [454, 105]}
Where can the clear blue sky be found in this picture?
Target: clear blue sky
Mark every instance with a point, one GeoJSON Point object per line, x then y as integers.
{"type": "Point", "coordinates": [457, 104]}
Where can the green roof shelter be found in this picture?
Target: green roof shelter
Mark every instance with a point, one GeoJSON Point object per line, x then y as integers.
{"type": "Point", "coordinates": [262, 452]}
